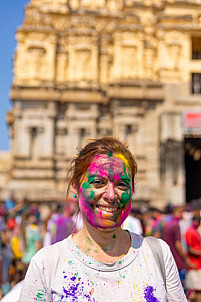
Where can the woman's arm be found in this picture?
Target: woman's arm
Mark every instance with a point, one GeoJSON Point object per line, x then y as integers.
{"type": "Point", "coordinates": [175, 291]}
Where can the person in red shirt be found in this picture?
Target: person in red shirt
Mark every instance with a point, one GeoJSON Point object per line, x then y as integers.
{"type": "Point", "coordinates": [193, 240]}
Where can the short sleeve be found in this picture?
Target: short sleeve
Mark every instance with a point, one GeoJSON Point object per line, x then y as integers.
{"type": "Point", "coordinates": [175, 291]}
{"type": "Point", "coordinates": [37, 235]}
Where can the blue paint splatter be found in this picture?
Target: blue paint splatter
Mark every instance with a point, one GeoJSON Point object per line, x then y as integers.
{"type": "Point", "coordinates": [75, 290]}
{"type": "Point", "coordinates": [149, 294]}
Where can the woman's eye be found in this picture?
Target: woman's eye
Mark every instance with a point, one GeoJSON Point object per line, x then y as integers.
{"type": "Point", "coordinates": [123, 185]}
{"type": "Point", "coordinates": [98, 182]}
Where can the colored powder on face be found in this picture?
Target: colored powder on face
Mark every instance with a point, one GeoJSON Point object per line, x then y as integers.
{"type": "Point", "coordinates": [114, 236]}
{"type": "Point", "coordinates": [110, 154]}
{"type": "Point", "coordinates": [149, 294]}
{"type": "Point", "coordinates": [92, 194]}
{"type": "Point", "coordinates": [118, 204]}
{"type": "Point", "coordinates": [125, 197]}
{"type": "Point", "coordinates": [119, 155]}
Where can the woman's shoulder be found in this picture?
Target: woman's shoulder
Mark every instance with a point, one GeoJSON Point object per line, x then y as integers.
{"type": "Point", "coordinates": [158, 244]}
{"type": "Point", "coordinates": [51, 252]}
{"type": "Point", "coordinates": [139, 241]}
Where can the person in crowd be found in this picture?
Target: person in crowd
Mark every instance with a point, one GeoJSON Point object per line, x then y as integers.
{"type": "Point", "coordinates": [52, 225]}
{"type": "Point", "coordinates": [193, 240]}
{"type": "Point", "coordinates": [32, 238]}
{"type": "Point", "coordinates": [64, 224]}
{"type": "Point", "coordinates": [133, 224]}
{"type": "Point", "coordinates": [102, 262]}
{"type": "Point", "coordinates": [10, 204]}
{"type": "Point", "coordinates": [172, 235]}
{"type": "Point", "coordinates": [6, 257]}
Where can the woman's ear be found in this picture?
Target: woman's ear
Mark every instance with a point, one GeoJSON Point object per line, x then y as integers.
{"type": "Point", "coordinates": [74, 189]}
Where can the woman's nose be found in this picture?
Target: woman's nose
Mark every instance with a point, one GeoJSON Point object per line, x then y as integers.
{"type": "Point", "coordinates": [110, 194]}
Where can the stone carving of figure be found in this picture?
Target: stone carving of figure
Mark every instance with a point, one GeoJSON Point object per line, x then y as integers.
{"type": "Point", "coordinates": [83, 64]}
{"type": "Point", "coordinates": [35, 58]}
{"type": "Point", "coordinates": [175, 52]}
{"type": "Point", "coordinates": [129, 62]}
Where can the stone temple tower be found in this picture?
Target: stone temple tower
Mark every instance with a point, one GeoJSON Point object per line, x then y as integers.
{"type": "Point", "coordinates": [88, 68]}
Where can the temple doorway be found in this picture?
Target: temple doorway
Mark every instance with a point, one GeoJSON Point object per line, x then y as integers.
{"type": "Point", "coordinates": [192, 145]}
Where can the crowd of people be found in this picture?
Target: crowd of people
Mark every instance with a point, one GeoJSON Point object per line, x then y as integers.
{"type": "Point", "coordinates": [26, 227]}
{"type": "Point", "coordinates": [106, 243]}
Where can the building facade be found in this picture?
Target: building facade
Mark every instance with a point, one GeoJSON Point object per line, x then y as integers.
{"type": "Point", "coordinates": [88, 68]}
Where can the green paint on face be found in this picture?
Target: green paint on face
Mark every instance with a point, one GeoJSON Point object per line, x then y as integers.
{"type": "Point", "coordinates": [96, 251]}
{"type": "Point", "coordinates": [111, 174]}
{"type": "Point", "coordinates": [87, 184]}
{"type": "Point", "coordinates": [92, 194]}
{"type": "Point", "coordinates": [114, 236]}
{"type": "Point", "coordinates": [110, 154]}
{"type": "Point", "coordinates": [125, 197]}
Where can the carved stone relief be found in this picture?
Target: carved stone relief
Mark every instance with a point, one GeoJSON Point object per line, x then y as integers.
{"type": "Point", "coordinates": [62, 67]}
{"type": "Point", "coordinates": [83, 64]}
{"type": "Point", "coordinates": [129, 63]}
{"type": "Point", "coordinates": [35, 62]}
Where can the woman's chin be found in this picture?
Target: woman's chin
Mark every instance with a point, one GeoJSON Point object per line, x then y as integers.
{"type": "Point", "coordinates": [107, 226]}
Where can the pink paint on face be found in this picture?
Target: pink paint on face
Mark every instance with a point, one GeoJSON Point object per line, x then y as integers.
{"type": "Point", "coordinates": [105, 192]}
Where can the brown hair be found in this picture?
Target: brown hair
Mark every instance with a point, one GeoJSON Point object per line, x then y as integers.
{"type": "Point", "coordinates": [103, 145]}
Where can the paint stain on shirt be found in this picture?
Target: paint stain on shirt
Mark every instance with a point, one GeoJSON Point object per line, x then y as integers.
{"type": "Point", "coordinates": [149, 294]}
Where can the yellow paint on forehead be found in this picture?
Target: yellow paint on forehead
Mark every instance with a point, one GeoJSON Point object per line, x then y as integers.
{"type": "Point", "coordinates": [83, 177]}
{"type": "Point", "coordinates": [119, 155]}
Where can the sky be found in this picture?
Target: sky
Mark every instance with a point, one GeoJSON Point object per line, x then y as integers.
{"type": "Point", "coordinates": [11, 17]}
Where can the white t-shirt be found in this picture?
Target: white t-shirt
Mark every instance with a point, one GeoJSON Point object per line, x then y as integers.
{"type": "Point", "coordinates": [63, 273]}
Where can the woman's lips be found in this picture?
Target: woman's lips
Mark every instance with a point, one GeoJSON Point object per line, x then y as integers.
{"type": "Point", "coordinates": [107, 209]}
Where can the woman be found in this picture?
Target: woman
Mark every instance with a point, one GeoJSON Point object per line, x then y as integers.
{"type": "Point", "coordinates": [102, 262]}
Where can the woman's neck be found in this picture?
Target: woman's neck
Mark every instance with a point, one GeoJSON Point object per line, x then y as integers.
{"type": "Point", "coordinates": [103, 245]}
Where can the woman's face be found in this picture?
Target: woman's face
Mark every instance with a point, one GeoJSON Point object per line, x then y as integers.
{"type": "Point", "coordinates": [105, 191]}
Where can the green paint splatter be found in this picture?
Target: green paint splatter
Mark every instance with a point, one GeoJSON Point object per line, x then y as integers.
{"type": "Point", "coordinates": [110, 154]}
{"type": "Point", "coordinates": [114, 236]}
{"type": "Point", "coordinates": [39, 296]}
{"type": "Point", "coordinates": [96, 251]}
{"type": "Point", "coordinates": [125, 197]}
{"type": "Point", "coordinates": [86, 185]}
{"type": "Point", "coordinates": [105, 249]}
{"type": "Point", "coordinates": [118, 204]}
{"type": "Point", "coordinates": [89, 241]}
{"type": "Point", "coordinates": [92, 194]}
